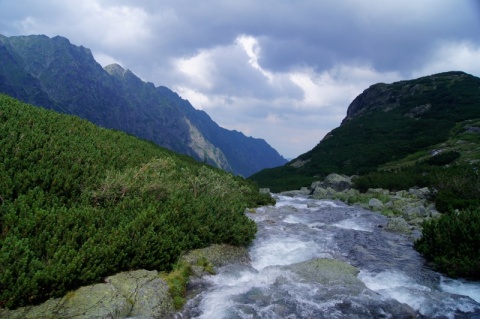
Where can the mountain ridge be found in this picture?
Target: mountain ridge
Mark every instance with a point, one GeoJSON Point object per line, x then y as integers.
{"type": "Point", "coordinates": [55, 74]}
{"type": "Point", "coordinates": [386, 123]}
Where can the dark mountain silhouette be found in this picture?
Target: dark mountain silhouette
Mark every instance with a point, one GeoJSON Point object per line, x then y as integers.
{"type": "Point", "coordinates": [54, 74]}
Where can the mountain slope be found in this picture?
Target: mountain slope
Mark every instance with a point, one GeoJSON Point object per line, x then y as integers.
{"type": "Point", "coordinates": [79, 203]}
{"type": "Point", "coordinates": [385, 123]}
{"type": "Point", "coordinates": [53, 73]}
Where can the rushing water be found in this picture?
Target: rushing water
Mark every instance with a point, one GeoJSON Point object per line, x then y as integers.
{"type": "Point", "coordinates": [299, 229]}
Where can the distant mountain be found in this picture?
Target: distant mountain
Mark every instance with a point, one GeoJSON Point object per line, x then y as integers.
{"type": "Point", "coordinates": [54, 74]}
{"type": "Point", "coordinates": [390, 125]}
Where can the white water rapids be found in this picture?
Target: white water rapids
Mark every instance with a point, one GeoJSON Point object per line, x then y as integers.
{"type": "Point", "coordinates": [396, 280]}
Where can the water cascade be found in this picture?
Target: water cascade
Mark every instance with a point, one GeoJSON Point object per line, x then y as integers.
{"type": "Point", "coordinates": [301, 267]}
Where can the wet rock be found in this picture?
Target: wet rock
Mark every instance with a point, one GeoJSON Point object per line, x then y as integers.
{"type": "Point", "coordinates": [328, 272]}
{"type": "Point", "coordinates": [339, 280]}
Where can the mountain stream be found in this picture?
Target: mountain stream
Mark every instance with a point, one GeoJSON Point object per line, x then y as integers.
{"type": "Point", "coordinates": [392, 281]}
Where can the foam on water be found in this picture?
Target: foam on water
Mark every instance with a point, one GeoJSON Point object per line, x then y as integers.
{"type": "Point", "coordinates": [300, 230]}
{"type": "Point", "coordinates": [327, 203]}
{"type": "Point", "coordinates": [352, 224]}
{"type": "Point", "coordinates": [284, 251]}
{"type": "Point", "coordinates": [461, 287]}
{"type": "Point", "coordinates": [397, 285]}
{"type": "Point", "coordinates": [296, 202]}
{"type": "Point", "coordinates": [389, 280]}
{"type": "Point", "coordinates": [293, 219]}
{"type": "Point", "coordinates": [216, 303]}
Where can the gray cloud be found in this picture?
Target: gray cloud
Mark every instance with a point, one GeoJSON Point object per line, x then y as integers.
{"type": "Point", "coordinates": [280, 70]}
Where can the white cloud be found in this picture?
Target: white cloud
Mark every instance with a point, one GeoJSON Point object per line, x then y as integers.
{"type": "Point", "coordinates": [198, 70]}
{"type": "Point", "coordinates": [105, 59]}
{"type": "Point", "coordinates": [453, 56]}
{"type": "Point", "coordinates": [252, 49]}
{"type": "Point", "coordinates": [318, 105]}
{"type": "Point", "coordinates": [116, 27]}
{"type": "Point", "coordinates": [338, 86]}
{"type": "Point", "coordinates": [279, 70]}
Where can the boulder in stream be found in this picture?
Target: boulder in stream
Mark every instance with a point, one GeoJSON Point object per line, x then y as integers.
{"type": "Point", "coordinates": [339, 283]}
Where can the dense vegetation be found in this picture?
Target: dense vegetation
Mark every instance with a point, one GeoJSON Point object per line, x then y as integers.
{"type": "Point", "coordinates": [385, 124]}
{"type": "Point", "coordinates": [78, 203]}
{"type": "Point", "coordinates": [453, 243]}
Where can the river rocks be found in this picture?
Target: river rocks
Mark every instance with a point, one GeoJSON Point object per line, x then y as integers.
{"type": "Point", "coordinates": [375, 204]}
{"type": "Point", "coordinates": [302, 192]}
{"type": "Point", "coordinates": [398, 225]}
{"type": "Point", "coordinates": [334, 181]}
{"type": "Point", "coordinates": [320, 192]}
{"type": "Point", "coordinates": [411, 205]}
{"type": "Point", "coordinates": [423, 193]}
{"type": "Point", "coordinates": [139, 293]}
{"type": "Point", "coordinates": [329, 272]}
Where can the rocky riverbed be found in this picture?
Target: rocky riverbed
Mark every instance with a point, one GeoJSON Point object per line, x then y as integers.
{"type": "Point", "coordinates": [406, 209]}
{"type": "Point", "coordinates": [324, 259]}
{"type": "Point", "coordinates": [314, 257]}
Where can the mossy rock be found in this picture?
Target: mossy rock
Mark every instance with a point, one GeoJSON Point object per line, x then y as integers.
{"type": "Point", "coordinates": [217, 255]}
{"type": "Point", "coordinates": [329, 272]}
{"type": "Point", "coordinates": [137, 293]}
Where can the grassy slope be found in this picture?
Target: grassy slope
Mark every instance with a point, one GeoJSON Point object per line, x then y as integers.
{"type": "Point", "coordinates": [377, 137]}
{"type": "Point", "coordinates": [78, 202]}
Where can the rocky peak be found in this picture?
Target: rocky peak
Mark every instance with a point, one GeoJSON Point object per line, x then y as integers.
{"type": "Point", "coordinates": [115, 70]}
{"type": "Point", "coordinates": [387, 97]}
{"type": "Point", "coordinates": [376, 96]}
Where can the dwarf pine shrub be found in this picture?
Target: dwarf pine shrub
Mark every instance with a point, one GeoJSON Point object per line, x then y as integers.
{"type": "Point", "coordinates": [453, 243]}
{"type": "Point", "coordinates": [79, 203]}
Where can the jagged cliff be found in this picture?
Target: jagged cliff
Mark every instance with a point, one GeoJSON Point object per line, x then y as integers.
{"type": "Point", "coordinates": [53, 73]}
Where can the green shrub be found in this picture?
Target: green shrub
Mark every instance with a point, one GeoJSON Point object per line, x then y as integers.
{"type": "Point", "coordinates": [394, 180]}
{"type": "Point", "coordinates": [78, 203]}
{"type": "Point", "coordinates": [453, 243]}
{"type": "Point", "coordinates": [443, 158]}
{"type": "Point", "coordinates": [458, 187]}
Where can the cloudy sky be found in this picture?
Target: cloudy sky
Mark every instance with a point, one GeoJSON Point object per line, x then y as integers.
{"type": "Point", "coordinates": [280, 70]}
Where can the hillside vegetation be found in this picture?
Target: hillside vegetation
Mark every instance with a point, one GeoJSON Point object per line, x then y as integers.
{"type": "Point", "coordinates": [78, 203]}
{"type": "Point", "coordinates": [385, 124]}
